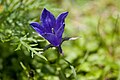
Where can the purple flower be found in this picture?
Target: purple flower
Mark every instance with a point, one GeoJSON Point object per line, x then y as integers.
{"type": "Point", "coordinates": [51, 28]}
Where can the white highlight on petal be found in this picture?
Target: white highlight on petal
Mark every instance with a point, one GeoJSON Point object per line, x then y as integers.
{"type": "Point", "coordinates": [73, 38]}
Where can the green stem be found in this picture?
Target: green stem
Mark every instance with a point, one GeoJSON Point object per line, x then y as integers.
{"type": "Point", "coordinates": [72, 68]}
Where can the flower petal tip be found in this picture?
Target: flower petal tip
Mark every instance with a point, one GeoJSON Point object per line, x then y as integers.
{"type": "Point", "coordinates": [35, 24]}
{"type": "Point", "coordinates": [65, 13]}
{"type": "Point", "coordinates": [45, 10]}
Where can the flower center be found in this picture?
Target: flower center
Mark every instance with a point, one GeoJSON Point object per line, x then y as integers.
{"type": "Point", "coordinates": [53, 31]}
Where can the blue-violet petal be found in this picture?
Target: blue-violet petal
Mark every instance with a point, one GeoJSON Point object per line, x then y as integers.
{"type": "Point", "coordinates": [48, 20]}
{"type": "Point", "coordinates": [52, 39]}
{"type": "Point", "coordinates": [60, 20]}
{"type": "Point", "coordinates": [37, 27]}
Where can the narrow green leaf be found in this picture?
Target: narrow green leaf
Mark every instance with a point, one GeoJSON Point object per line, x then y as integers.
{"type": "Point", "coordinates": [33, 50]}
{"type": "Point", "coordinates": [37, 49]}
{"type": "Point", "coordinates": [62, 75]}
{"type": "Point", "coordinates": [33, 45]}
{"type": "Point", "coordinates": [18, 47]}
{"type": "Point", "coordinates": [73, 70]}
{"type": "Point", "coordinates": [23, 66]}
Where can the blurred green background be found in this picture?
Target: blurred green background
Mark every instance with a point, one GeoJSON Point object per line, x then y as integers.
{"type": "Point", "coordinates": [94, 56]}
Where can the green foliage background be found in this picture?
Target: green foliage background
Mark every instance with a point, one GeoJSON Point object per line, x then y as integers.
{"type": "Point", "coordinates": [94, 56]}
